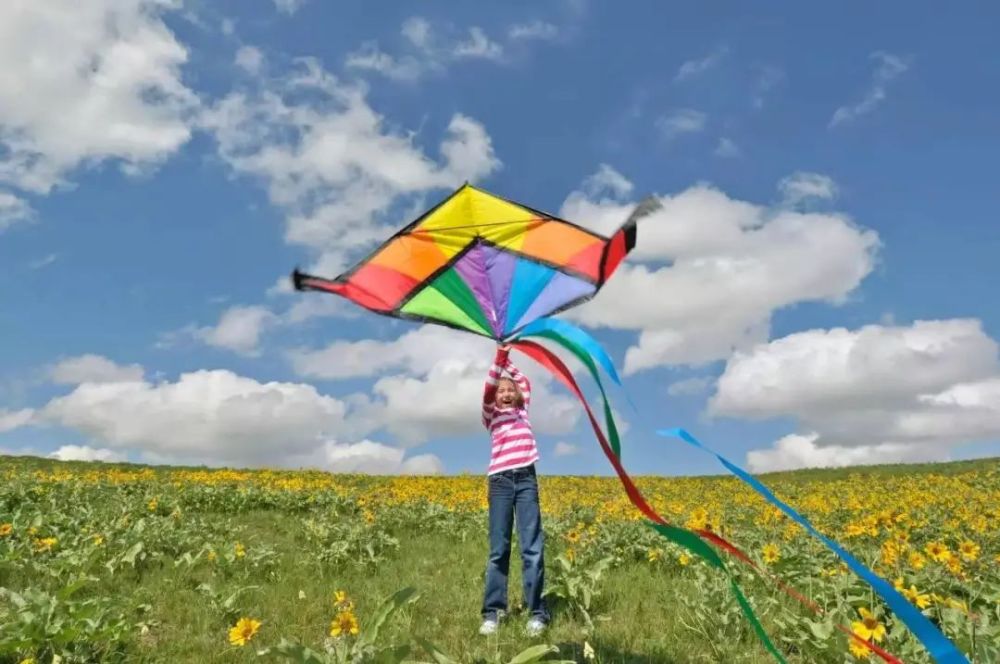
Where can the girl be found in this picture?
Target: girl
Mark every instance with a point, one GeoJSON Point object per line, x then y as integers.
{"type": "Point", "coordinates": [513, 490]}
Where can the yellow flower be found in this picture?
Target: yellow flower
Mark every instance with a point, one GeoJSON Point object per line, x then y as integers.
{"type": "Point", "coordinates": [938, 552]}
{"type": "Point", "coordinates": [344, 623]}
{"type": "Point", "coordinates": [922, 601]}
{"type": "Point", "coordinates": [98, 540]}
{"type": "Point", "coordinates": [570, 555]}
{"type": "Point", "coordinates": [772, 554]}
{"type": "Point", "coordinates": [917, 560]}
{"type": "Point", "coordinates": [152, 505]}
{"type": "Point", "coordinates": [243, 631]}
{"type": "Point", "coordinates": [240, 550]}
{"type": "Point", "coordinates": [969, 550]}
{"type": "Point", "coordinates": [6, 529]}
{"type": "Point", "coordinates": [869, 627]}
{"type": "Point", "coordinates": [45, 544]}
{"type": "Point", "coordinates": [654, 555]}
{"type": "Point", "coordinates": [859, 649]}
{"type": "Point", "coordinates": [27, 660]}
{"type": "Point", "coordinates": [342, 601]}
{"type": "Point", "coordinates": [212, 555]}
{"type": "Point", "coordinates": [573, 536]}
{"type": "Point", "coordinates": [684, 559]}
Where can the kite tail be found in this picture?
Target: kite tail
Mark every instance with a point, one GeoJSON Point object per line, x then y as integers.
{"type": "Point", "coordinates": [937, 644]}
{"type": "Point", "coordinates": [584, 347]}
{"type": "Point", "coordinates": [680, 536]}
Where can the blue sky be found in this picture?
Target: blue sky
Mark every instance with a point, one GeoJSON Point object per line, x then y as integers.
{"type": "Point", "coordinates": [817, 291]}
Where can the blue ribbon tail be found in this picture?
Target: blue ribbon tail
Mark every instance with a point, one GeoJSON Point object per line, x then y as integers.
{"type": "Point", "coordinates": [937, 644]}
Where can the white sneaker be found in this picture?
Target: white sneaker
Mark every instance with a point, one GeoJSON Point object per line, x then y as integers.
{"type": "Point", "coordinates": [535, 627]}
{"type": "Point", "coordinates": [489, 626]}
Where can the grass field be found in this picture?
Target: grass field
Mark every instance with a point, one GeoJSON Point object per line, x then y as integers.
{"type": "Point", "coordinates": [124, 563]}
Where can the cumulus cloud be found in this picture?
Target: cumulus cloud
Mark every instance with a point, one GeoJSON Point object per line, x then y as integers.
{"type": "Point", "coordinates": [13, 209]}
{"type": "Point", "coordinates": [430, 384]}
{"type": "Point", "coordinates": [239, 329]}
{"type": "Point", "coordinates": [710, 270]}
{"type": "Point", "coordinates": [882, 389]}
{"type": "Point", "coordinates": [332, 164]}
{"type": "Point", "coordinates": [85, 82]}
{"type": "Point", "coordinates": [92, 368]}
{"type": "Point", "coordinates": [370, 458]}
{"type": "Point", "coordinates": [85, 453]}
{"type": "Point", "coordinates": [15, 419]}
{"type": "Point", "coordinates": [801, 187]}
{"type": "Point", "coordinates": [249, 59]}
{"type": "Point", "coordinates": [796, 451]}
{"type": "Point", "coordinates": [209, 415]}
{"type": "Point", "coordinates": [563, 448]}
{"type": "Point", "coordinates": [887, 67]}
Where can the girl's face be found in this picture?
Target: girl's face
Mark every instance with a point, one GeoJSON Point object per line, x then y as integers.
{"type": "Point", "coordinates": [507, 394]}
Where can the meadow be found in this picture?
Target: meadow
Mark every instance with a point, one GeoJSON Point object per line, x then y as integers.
{"type": "Point", "coordinates": [124, 563]}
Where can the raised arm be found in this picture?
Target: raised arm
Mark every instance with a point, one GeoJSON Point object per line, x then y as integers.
{"type": "Point", "coordinates": [492, 378]}
{"type": "Point", "coordinates": [522, 381]}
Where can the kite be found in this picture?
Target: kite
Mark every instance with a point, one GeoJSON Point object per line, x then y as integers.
{"type": "Point", "coordinates": [482, 264]}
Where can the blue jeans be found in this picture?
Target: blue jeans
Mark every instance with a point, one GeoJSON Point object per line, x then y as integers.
{"type": "Point", "coordinates": [515, 492]}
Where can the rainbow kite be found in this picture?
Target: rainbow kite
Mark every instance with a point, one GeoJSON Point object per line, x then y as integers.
{"type": "Point", "coordinates": [480, 263]}
{"type": "Point", "coordinates": [483, 264]}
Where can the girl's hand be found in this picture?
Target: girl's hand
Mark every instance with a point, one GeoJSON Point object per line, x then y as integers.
{"type": "Point", "coordinates": [504, 347]}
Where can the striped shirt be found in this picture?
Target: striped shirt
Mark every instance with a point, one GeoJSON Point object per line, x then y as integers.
{"type": "Point", "coordinates": [513, 444]}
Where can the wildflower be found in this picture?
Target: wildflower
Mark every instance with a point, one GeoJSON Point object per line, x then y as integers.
{"type": "Point", "coordinates": [98, 540]}
{"type": "Point", "coordinates": [917, 560]}
{"type": "Point", "coordinates": [240, 550]}
{"type": "Point", "coordinates": [243, 631]}
{"type": "Point", "coordinates": [654, 555]}
{"type": "Point", "coordinates": [6, 529]}
{"type": "Point", "coordinates": [27, 660]}
{"type": "Point", "coordinates": [344, 623]}
{"type": "Point", "coordinates": [342, 601]}
{"type": "Point", "coordinates": [868, 627]}
{"type": "Point", "coordinates": [684, 559]}
{"type": "Point", "coordinates": [938, 552]}
{"type": "Point", "coordinates": [772, 554]}
{"type": "Point", "coordinates": [969, 550]}
{"type": "Point", "coordinates": [152, 505]}
{"type": "Point", "coordinates": [45, 544]}
{"type": "Point", "coordinates": [859, 649]}
{"type": "Point", "coordinates": [212, 555]}
{"type": "Point", "coordinates": [922, 601]}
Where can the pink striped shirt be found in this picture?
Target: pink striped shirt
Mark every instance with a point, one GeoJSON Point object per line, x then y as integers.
{"type": "Point", "coordinates": [513, 444]}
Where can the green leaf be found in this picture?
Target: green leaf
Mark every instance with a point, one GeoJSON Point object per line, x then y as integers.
{"type": "Point", "coordinates": [533, 654]}
{"type": "Point", "coordinates": [434, 652]}
{"type": "Point", "coordinates": [390, 606]}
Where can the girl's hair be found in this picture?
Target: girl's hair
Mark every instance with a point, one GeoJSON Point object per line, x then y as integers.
{"type": "Point", "coordinates": [519, 399]}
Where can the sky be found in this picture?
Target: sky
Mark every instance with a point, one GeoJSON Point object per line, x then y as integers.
{"type": "Point", "coordinates": [817, 289]}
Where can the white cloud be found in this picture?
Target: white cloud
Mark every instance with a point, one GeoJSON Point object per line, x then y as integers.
{"type": "Point", "coordinates": [370, 57]}
{"type": "Point", "coordinates": [926, 387]}
{"type": "Point", "coordinates": [607, 180]}
{"type": "Point", "coordinates": [811, 374]}
{"type": "Point", "coordinates": [249, 59]}
{"type": "Point", "coordinates": [729, 265]}
{"type": "Point", "coordinates": [437, 388]}
{"type": "Point", "coordinates": [13, 209]}
{"type": "Point", "coordinates": [332, 163]}
{"type": "Point", "coordinates": [85, 453]}
{"type": "Point", "coordinates": [92, 368]}
{"type": "Point", "coordinates": [565, 449]}
{"type": "Point", "coordinates": [478, 45]}
{"type": "Point", "coordinates": [800, 187]}
{"type": "Point", "coordinates": [887, 67]}
{"type": "Point", "coordinates": [534, 30]}
{"type": "Point", "coordinates": [15, 419]}
{"type": "Point", "coordinates": [205, 415]}
{"type": "Point", "coordinates": [727, 148]}
{"type": "Point", "coordinates": [239, 329]}
{"type": "Point", "coordinates": [681, 121]}
{"type": "Point", "coordinates": [288, 7]}
{"type": "Point", "coordinates": [370, 458]}
{"type": "Point", "coordinates": [85, 82]}
{"type": "Point", "coordinates": [801, 451]}
{"type": "Point", "coordinates": [417, 31]}
{"type": "Point", "coordinates": [695, 68]}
